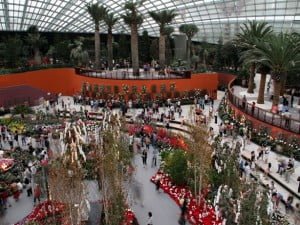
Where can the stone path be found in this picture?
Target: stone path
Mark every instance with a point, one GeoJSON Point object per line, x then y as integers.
{"type": "Point", "coordinates": [164, 209]}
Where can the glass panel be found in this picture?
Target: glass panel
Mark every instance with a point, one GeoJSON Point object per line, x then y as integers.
{"type": "Point", "coordinates": [211, 16]}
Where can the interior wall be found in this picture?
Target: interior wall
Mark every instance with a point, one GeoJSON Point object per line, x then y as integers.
{"type": "Point", "coordinates": [65, 81]}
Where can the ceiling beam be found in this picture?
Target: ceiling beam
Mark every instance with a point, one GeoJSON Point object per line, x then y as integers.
{"type": "Point", "coordinates": [23, 15]}
{"type": "Point", "coordinates": [60, 14]}
{"type": "Point", "coordinates": [6, 14]}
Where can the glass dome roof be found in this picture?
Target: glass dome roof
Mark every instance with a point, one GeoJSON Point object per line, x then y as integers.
{"type": "Point", "coordinates": [215, 18]}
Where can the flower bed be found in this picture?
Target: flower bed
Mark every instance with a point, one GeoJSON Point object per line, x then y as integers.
{"type": "Point", "coordinates": [42, 211]}
{"type": "Point", "coordinates": [197, 214]}
{"type": "Point", "coordinates": [164, 139]}
{"type": "Point", "coordinates": [6, 164]}
{"type": "Point", "coordinates": [129, 217]}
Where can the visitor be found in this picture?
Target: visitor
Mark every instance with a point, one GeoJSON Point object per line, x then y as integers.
{"type": "Point", "coordinates": [183, 207]}
{"type": "Point", "coordinates": [241, 167]}
{"type": "Point", "coordinates": [272, 186]}
{"type": "Point", "coordinates": [147, 142]}
{"type": "Point", "coordinates": [260, 153]}
{"type": "Point", "coordinates": [150, 219]}
{"type": "Point", "coordinates": [276, 198]}
{"type": "Point", "coordinates": [267, 151]}
{"type": "Point", "coordinates": [287, 117]}
{"type": "Point", "coordinates": [4, 197]}
{"type": "Point", "coordinates": [281, 166]}
{"type": "Point", "coordinates": [221, 129]}
{"type": "Point", "coordinates": [154, 157]}
{"type": "Point", "coordinates": [292, 97]}
{"type": "Point", "coordinates": [268, 169]}
{"type": "Point", "coordinates": [252, 108]}
{"type": "Point", "coordinates": [144, 157]}
{"type": "Point", "coordinates": [210, 113]}
{"type": "Point", "coordinates": [37, 194]}
{"type": "Point", "coordinates": [252, 160]}
{"type": "Point", "coordinates": [246, 170]}
{"type": "Point", "coordinates": [297, 214]}
{"type": "Point", "coordinates": [298, 179]}
{"type": "Point", "coordinates": [179, 111]}
{"type": "Point", "coordinates": [288, 171]}
{"type": "Point", "coordinates": [289, 204]}
{"type": "Point", "coordinates": [181, 220]}
{"type": "Point", "coordinates": [244, 102]}
{"type": "Point", "coordinates": [206, 99]}
{"type": "Point", "coordinates": [268, 86]}
{"type": "Point", "coordinates": [157, 182]}
{"type": "Point", "coordinates": [212, 101]}
{"type": "Point", "coordinates": [216, 117]}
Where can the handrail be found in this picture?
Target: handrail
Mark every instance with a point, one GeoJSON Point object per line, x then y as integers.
{"type": "Point", "coordinates": [126, 75]}
{"type": "Point", "coordinates": [283, 122]}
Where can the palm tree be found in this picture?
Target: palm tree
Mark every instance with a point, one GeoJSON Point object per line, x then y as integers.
{"type": "Point", "coordinates": [281, 55]}
{"type": "Point", "coordinates": [189, 30]}
{"type": "Point", "coordinates": [168, 31]}
{"type": "Point", "coordinates": [251, 33]}
{"type": "Point", "coordinates": [205, 54]}
{"type": "Point", "coordinates": [35, 41]}
{"type": "Point", "coordinates": [296, 40]}
{"type": "Point", "coordinates": [162, 18]}
{"type": "Point", "coordinates": [250, 57]}
{"type": "Point", "coordinates": [263, 70]}
{"type": "Point", "coordinates": [133, 19]}
{"type": "Point", "coordinates": [78, 55]}
{"type": "Point", "coordinates": [110, 21]}
{"type": "Point", "coordinates": [97, 13]}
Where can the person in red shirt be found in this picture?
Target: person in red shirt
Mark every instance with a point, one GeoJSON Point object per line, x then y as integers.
{"type": "Point", "coordinates": [37, 193]}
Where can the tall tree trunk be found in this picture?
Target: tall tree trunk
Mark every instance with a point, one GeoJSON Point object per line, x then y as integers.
{"type": "Point", "coordinates": [162, 50]}
{"type": "Point", "coordinates": [97, 48]}
{"type": "Point", "coordinates": [282, 84]}
{"type": "Point", "coordinates": [37, 56]}
{"type": "Point", "coordinates": [188, 52]}
{"type": "Point", "coordinates": [110, 50]}
{"type": "Point", "coordinates": [135, 50]}
{"type": "Point", "coordinates": [251, 79]}
{"type": "Point", "coordinates": [277, 88]}
{"type": "Point", "coordinates": [261, 91]}
{"type": "Point", "coordinates": [204, 61]}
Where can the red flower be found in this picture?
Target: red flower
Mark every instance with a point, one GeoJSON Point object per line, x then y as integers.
{"type": "Point", "coordinates": [147, 129]}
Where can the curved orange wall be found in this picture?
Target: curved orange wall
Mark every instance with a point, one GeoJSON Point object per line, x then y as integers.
{"type": "Point", "coordinates": [65, 81]}
{"type": "Point", "coordinates": [50, 80]}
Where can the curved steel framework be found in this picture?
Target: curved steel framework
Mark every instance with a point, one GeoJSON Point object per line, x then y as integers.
{"type": "Point", "coordinates": [215, 18]}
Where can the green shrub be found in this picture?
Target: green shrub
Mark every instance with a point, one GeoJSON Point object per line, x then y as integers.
{"type": "Point", "coordinates": [22, 109]}
{"type": "Point", "coordinates": [116, 89]}
{"type": "Point", "coordinates": [176, 166]}
{"type": "Point", "coordinates": [153, 88]}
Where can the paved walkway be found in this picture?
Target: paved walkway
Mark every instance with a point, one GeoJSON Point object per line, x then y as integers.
{"type": "Point", "coordinates": [164, 209]}
{"type": "Point", "coordinates": [266, 115]}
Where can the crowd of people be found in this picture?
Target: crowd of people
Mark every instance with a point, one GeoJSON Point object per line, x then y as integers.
{"type": "Point", "coordinates": [36, 147]}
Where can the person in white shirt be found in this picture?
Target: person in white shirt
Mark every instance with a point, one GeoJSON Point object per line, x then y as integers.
{"type": "Point", "coordinates": [206, 99]}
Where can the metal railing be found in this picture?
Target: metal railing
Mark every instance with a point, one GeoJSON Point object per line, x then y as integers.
{"type": "Point", "coordinates": [277, 120]}
{"type": "Point", "coordinates": [127, 75]}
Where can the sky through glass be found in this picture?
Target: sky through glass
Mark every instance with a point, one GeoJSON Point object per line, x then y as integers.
{"type": "Point", "coordinates": [215, 18]}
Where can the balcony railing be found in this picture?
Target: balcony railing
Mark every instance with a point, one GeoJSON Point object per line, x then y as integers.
{"type": "Point", "coordinates": [277, 120]}
{"type": "Point", "coordinates": [127, 75]}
